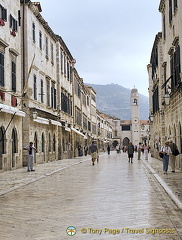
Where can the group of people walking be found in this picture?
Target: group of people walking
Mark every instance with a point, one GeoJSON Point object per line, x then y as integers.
{"type": "Point", "coordinates": [140, 148]}
{"type": "Point", "coordinates": [167, 152]}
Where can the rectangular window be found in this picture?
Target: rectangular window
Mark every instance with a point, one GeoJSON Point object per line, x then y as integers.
{"type": "Point", "coordinates": [13, 76]}
{"type": "Point", "coordinates": [71, 74]}
{"type": "Point", "coordinates": [35, 87]}
{"type": "Point", "coordinates": [84, 99]}
{"type": "Point", "coordinates": [126, 128]}
{"type": "Point", "coordinates": [40, 40]}
{"type": "Point", "coordinates": [93, 128]}
{"type": "Point", "coordinates": [89, 126]}
{"type": "Point", "coordinates": [93, 97]}
{"type": "Point", "coordinates": [85, 122]}
{"type": "Point", "coordinates": [88, 101]}
{"type": "Point", "coordinates": [155, 100]}
{"type": "Point", "coordinates": [33, 32]}
{"type": "Point", "coordinates": [68, 70]}
{"type": "Point", "coordinates": [1, 69]}
{"type": "Point", "coordinates": [52, 53]}
{"type": "Point", "coordinates": [170, 11]}
{"type": "Point", "coordinates": [175, 5]}
{"type": "Point", "coordinates": [164, 27]}
{"type": "Point", "coordinates": [47, 48]}
{"type": "Point", "coordinates": [175, 68]}
{"type": "Point", "coordinates": [55, 104]}
{"type": "Point", "coordinates": [13, 24]}
{"type": "Point", "coordinates": [64, 65]}
{"type": "Point", "coordinates": [61, 59]}
{"type": "Point", "coordinates": [48, 94]}
{"type": "Point", "coordinates": [52, 97]}
{"type": "Point", "coordinates": [78, 117]}
{"type": "Point", "coordinates": [3, 13]}
{"type": "Point", "coordinates": [42, 91]}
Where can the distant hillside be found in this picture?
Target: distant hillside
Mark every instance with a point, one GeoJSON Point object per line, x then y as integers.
{"type": "Point", "coordinates": [114, 100]}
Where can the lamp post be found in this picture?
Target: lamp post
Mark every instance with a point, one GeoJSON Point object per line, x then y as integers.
{"type": "Point", "coordinates": [167, 98]}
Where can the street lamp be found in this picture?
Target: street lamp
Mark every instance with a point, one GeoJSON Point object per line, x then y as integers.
{"type": "Point", "coordinates": [166, 98]}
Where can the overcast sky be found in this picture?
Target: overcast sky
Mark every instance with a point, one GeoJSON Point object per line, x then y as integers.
{"type": "Point", "coordinates": [111, 40]}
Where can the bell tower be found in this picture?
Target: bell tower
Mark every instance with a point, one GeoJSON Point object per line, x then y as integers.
{"type": "Point", "coordinates": [135, 116]}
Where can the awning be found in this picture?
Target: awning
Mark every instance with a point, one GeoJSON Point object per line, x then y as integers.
{"type": "Point", "coordinates": [53, 122]}
{"type": "Point", "coordinates": [41, 120]}
{"type": "Point", "coordinates": [75, 130]}
{"type": "Point", "coordinates": [11, 110]}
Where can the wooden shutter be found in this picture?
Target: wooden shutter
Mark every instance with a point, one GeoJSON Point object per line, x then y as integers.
{"type": "Point", "coordinates": [13, 76]}
{"type": "Point", "coordinates": [54, 98]}
{"type": "Point", "coordinates": [1, 69]}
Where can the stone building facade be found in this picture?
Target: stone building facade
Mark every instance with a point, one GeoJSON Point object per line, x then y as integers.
{"type": "Point", "coordinates": [42, 97]}
{"type": "Point", "coordinates": [165, 87]}
{"type": "Point", "coordinates": [10, 90]}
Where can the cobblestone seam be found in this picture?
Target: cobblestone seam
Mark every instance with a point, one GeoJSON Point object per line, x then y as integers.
{"type": "Point", "coordinates": [38, 178]}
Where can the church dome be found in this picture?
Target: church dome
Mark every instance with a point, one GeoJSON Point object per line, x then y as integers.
{"type": "Point", "coordinates": [134, 90]}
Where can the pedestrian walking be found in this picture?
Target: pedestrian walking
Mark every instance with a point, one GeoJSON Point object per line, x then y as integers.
{"type": "Point", "coordinates": [172, 157]}
{"type": "Point", "coordinates": [30, 148]}
{"type": "Point", "coordinates": [166, 150]}
{"type": "Point", "coordinates": [93, 151]}
{"type": "Point", "coordinates": [146, 151]}
{"type": "Point", "coordinates": [80, 153]}
{"type": "Point", "coordinates": [108, 149]}
{"type": "Point", "coordinates": [130, 152]}
{"type": "Point", "coordinates": [139, 148]}
{"type": "Point", "coordinates": [85, 150]}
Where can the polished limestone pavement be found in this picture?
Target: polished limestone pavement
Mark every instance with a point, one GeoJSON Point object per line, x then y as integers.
{"type": "Point", "coordinates": [113, 199]}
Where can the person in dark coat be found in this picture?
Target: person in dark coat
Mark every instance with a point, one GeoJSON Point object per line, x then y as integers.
{"type": "Point", "coordinates": [130, 151]}
{"type": "Point", "coordinates": [108, 149]}
{"type": "Point", "coordinates": [172, 158]}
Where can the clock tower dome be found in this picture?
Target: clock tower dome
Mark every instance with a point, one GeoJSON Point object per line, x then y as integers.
{"type": "Point", "coordinates": [135, 116]}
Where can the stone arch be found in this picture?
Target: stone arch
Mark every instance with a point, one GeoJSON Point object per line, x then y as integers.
{"type": "Point", "coordinates": [49, 142]}
{"type": "Point", "coordinates": [126, 141]}
{"type": "Point", "coordinates": [14, 146]}
{"type": "Point", "coordinates": [54, 142]}
{"type": "Point", "coordinates": [2, 145]}
{"type": "Point", "coordinates": [2, 140]}
{"type": "Point", "coordinates": [43, 145]}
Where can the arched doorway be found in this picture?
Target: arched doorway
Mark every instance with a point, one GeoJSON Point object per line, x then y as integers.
{"type": "Point", "coordinates": [14, 146]}
{"type": "Point", "coordinates": [43, 147]}
{"type": "Point", "coordinates": [2, 145]}
{"type": "Point", "coordinates": [126, 141]}
{"type": "Point", "coordinates": [54, 143]}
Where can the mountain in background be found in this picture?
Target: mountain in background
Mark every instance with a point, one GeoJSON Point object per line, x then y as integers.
{"type": "Point", "coordinates": [114, 100]}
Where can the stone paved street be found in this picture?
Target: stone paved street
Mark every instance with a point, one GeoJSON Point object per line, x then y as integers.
{"type": "Point", "coordinates": [112, 200]}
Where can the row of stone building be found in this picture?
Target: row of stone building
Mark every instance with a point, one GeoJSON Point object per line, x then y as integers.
{"type": "Point", "coordinates": [42, 97]}
{"type": "Point", "coordinates": [165, 85]}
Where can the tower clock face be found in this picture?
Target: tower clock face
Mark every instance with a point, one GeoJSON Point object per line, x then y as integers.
{"type": "Point", "coordinates": [135, 120]}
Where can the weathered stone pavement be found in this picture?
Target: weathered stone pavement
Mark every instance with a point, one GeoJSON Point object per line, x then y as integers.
{"type": "Point", "coordinates": [112, 200]}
